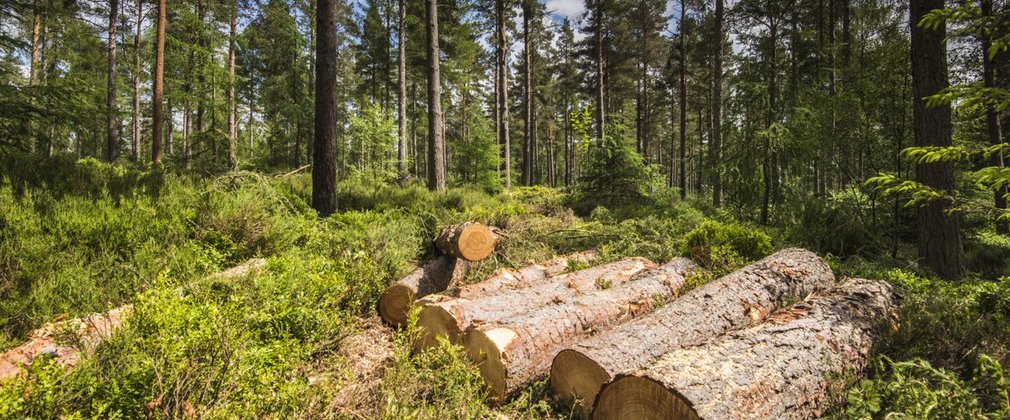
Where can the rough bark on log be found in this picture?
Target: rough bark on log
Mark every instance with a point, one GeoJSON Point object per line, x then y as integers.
{"type": "Point", "coordinates": [470, 241]}
{"type": "Point", "coordinates": [517, 351]}
{"type": "Point", "coordinates": [524, 277]}
{"type": "Point", "coordinates": [737, 300]}
{"type": "Point", "coordinates": [450, 317]}
{"type": "Point", "coordinates": [781, 368]}
{"type": "Point", "coordinates": [67, 339]}
{"type": "Point", "coordinates": [434, 277]}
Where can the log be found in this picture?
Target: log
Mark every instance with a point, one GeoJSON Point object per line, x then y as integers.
{"type": "Point", "coordinates": [434, 277]}
{"type": "Point", "coordinates": [742, 298]}
{"type": "Point", "coordinates": [518, 351]}
{"type": "Point", "coordinates": [528, 276]}
{"type": "Point", "coordinates": [450, 317]}
{"type": "Point", "coordinates": [470, 241]}
{"type": "Point", "coordinates": [68, 340]}
{"type": "Point", "coordinates": [782, 368]}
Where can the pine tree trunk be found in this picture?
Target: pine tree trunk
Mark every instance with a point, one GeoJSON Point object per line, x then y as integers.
{"type": "Point", "coordinates": [737, 300]}
{"type": "Point", "coordinates": [939, 232]}
{"type": "Point", "coordinates": [436, 276]}
{"type": "Point", "coordinates": [993, 128]}
{"type": "Point", "coordinates": [528, 131]}
{"type": "Point", "coordinates": [324, 155]}
{"type": "Point", "coordinates": [470, 241]}
{"type": "Point", "coordinates": [436, 141]}
{"type": "Point", "coordinates": [503, 86]}
{"type": "Point", "coordinates": [135, 138]}
{"type": "Point", "coordinates": [525, 277]}
{"type": "Point", "coordinates": [782, 368]}
{"type": "Point", "coordinates": [402, 90]}
{"type": "Point", "coordinates": [682, 159]}
{"type": "Point", "coordinates": [715, 156]}
{"type": "Point", "coordinates": [600, 76]}
{"type": "Point", "coordinates": [112, 126]}
{"type": "Point", "coordinates": [516, 351]}
{"type": "Point", "coordinates": [451, 317]}
{"type": "Point", "coordinates": [159, 85]}
{"type": "Point", "coordinates": [232, 97]}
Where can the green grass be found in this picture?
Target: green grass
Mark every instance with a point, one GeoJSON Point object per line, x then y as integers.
{"type": "Point", "coordinates": [272, 343]}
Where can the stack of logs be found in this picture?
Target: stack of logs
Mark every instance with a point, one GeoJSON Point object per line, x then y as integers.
{"type": "Point", "coordinates": [618, 341]}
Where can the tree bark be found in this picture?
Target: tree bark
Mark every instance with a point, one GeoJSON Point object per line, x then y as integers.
{"type": "Point", "coordinates": [436, 276]}
{"type": "Point", "coordinates": [682, 158]}
{"type": "Point", "coordinates": [135, 138]}
{"type": "Point", "coordinates": [112, 126]}
{"type": "Point", "coordinates": [436, 142]}
{"type": "Point", "coordinates": [33, 71]}
{"type": "Point", "coordinates": [528, 132]}
{"type": "Point", "coordinates": [232, 97]}
{"type": "Point", "coordinates": [783, 368]}
{"type": "Point", "coordinates": [715, 156]}
{"type": "Point", "coordinates": [513, 353]}
{"type": "Point", "coordinates": [450, 317]}
{"type": "Point", "coordinates": [159, 85]}
{"type": "Point", "coordinates": [737, 300]}
{"type": "Point", "coordinates": [939, 232]}
{"type": "Point", "coordinates": [528, 276]}
{"type": "Point", "coordinates": [324, 155]}
{"type": "Point", "coordinates": [993, 128]}
{"type": "Point", "coordinates": [402, 91]}
{"type": "Point", "coordinates": [503, 97]}
{"type": "Point", "coordinates": [470, 241]}
{"type": "Point", "coordinates": [600, 78]}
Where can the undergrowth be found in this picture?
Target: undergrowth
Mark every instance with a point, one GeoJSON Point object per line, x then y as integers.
{"type": "Point", "coordinates": [212, 347]}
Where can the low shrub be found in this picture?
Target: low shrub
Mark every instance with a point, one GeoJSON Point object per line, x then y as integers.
{"type": "Point", "coordinates": [723, 247]}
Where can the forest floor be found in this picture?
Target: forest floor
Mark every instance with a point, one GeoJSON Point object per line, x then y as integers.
{"type": "Point", "coordinates": [301, 338]}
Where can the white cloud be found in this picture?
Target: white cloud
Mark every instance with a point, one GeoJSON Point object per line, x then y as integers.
{"type": "Point", "coordinates": [572, 9]}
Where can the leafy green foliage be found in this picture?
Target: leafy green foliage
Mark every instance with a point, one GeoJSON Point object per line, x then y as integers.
{"type": "Point", "coordinates": [916, 389]}
{"type": "Point", "coordinates": [724, 246]}
{"type": "Point", "coordinates": [614, 175]}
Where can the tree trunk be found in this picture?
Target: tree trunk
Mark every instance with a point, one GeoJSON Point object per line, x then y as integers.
{"type": "Point", "coordinates": [715, 156]}
{"type": "Point", "coordinates": [528, 276]}
{"type": "Point", "coordinates": [737, 300]}
{"type": "Point", "coordinates": [434, 277]}
{"type": "Point", "coordinates": [135, 138]}
{"type": "Point", "coordinates": [232, 97]}
{"type": "Point", "coordinates": [112, 127]}
{"type": "Point", "coordinates": [783, 368]}
{"type": "Point", "coordinates": [402, 91]}
{"type": "Point", "coordinates": [530, 131]}
{"type": "Point", "coordinates": [470, 241]}
{"type": "Point", "coordinates": [33, 71]}
{"type": "Point", "coordinates": [503, 97]}
{"type": "Point", "coordinates": [939, 232]}
{"type": "Point", "coordinates": [600, 78]}
{"type": "Point", "coordinates": [450, 317]}
{"type": "Point", "coordinates": [682, 159]}
{"type": "Point", "coordinates": [436, 142]}
{"type": "Point", "coordinates": [159, 85]}
{"type": "Point", "coordinates": [324, 155]}
{"type": "Point", "coordinates": [513, 353]}
{"type": "Point", "coordinates": [846, 33]}
{"type": "Point", "coordinates": [993, 128]}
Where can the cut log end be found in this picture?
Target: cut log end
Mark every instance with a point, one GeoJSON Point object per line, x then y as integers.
{"type": "Point", "coordinates": [433, 322]}
{"type": "Point", "coordinates": [469, 241]}
{"type": "Point", "coordinates": [576, 378]}
{"type": "Point", "coordinates": [485, 349]}
{"type": "Point", "coordinates": [395, 303]}
{"type": "Point", "coordinates": [476, 242]}
{"type": "Point", "coordinates": [633, 397]}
